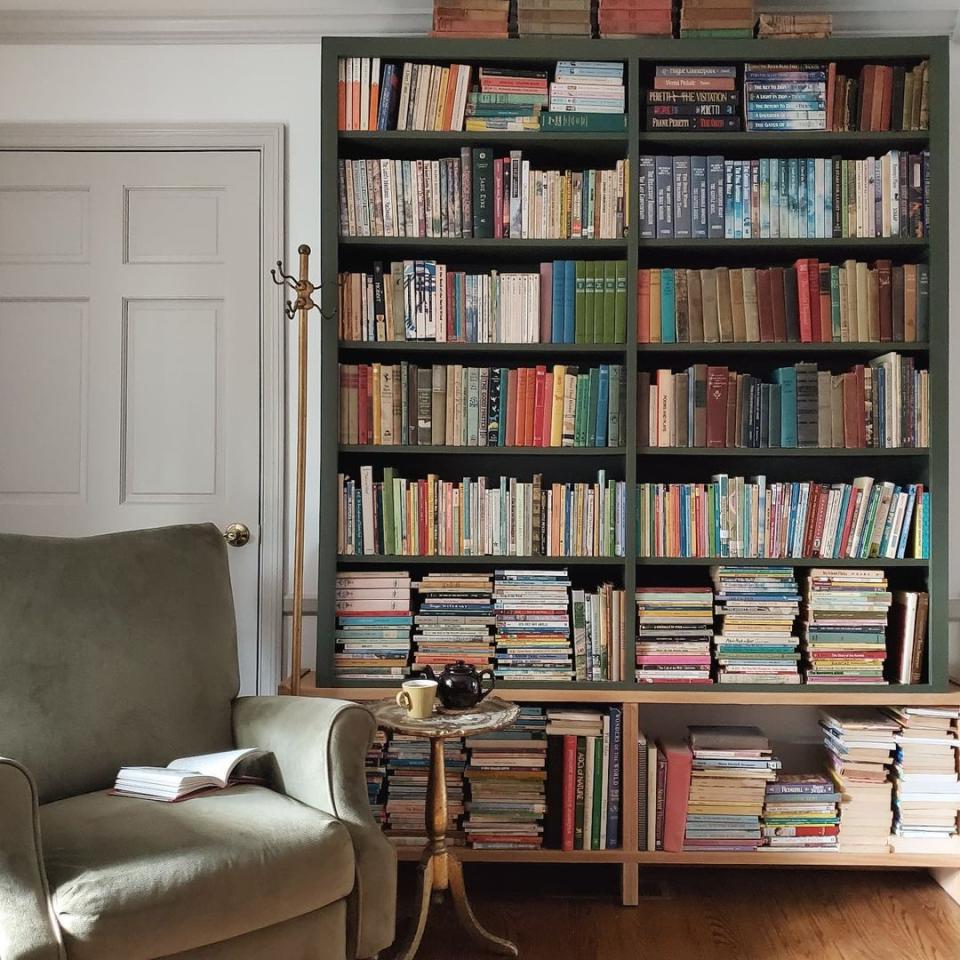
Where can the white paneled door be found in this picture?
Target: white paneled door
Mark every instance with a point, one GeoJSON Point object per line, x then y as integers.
{"type": "Point", "coordinates": [130, 348]}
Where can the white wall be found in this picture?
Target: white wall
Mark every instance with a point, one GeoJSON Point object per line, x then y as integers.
{"type": "Point", "coordinates": [275, 83]}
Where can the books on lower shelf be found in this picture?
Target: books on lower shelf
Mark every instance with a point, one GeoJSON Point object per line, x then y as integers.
{"type": "Point", "coordinates": [800, 812]}
{"type": "Point", "coordinates": [674, 630]}
{"type": "Point", "coordinates": [860, 745]}
{"type": "Point", "coordinates": [700, 97]}
{"type": "Point", "coordinates": [584, 777]}
{"type": "Point", "coordinates": [372, 637]}
{"type": "Point", "coordinates": [785, 96]}
{"type": "Point", "coordinates": [506, 778]}
{"type": "Point", "coordinates": [740, 517]}
{"type": "Point", "coordinates": [810, 302]}
{"type": "Point", "coordinates": [566, 301]}
{"type": "Point", "coordinates": [756, 610]}
{"type": "Point", "coordinates": [479, 195]}
{"type": "Point", "coordinates": [883, 404]}
{"type": "Point", "coordinates": [479, 517]}
{"type": "Point", "coordinates": [701, 197]}
{"type": "Point", "coordinates": [459, 406]}
{"type": "Point", "coordinates": [454, 620]}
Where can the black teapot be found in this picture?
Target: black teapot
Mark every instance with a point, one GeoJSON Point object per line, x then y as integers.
{"type": "Point", "coordinates": [459, 685]}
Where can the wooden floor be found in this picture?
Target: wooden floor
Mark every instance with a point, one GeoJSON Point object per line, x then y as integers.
{"type": "Point", "coordinates": [572, 913]}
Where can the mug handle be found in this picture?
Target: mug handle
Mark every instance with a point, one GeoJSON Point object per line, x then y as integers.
{"type": "Point", "coordinates": [403, 698]}
{"type": "Point", "coordinates": [487, 675]}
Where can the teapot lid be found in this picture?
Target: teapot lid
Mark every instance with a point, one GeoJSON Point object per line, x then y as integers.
{"type": "Point", "coordinates": [460, 666]}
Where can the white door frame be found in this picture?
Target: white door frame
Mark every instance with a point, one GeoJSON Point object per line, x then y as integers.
{"type": "Point", "coordinates": [266, 139]}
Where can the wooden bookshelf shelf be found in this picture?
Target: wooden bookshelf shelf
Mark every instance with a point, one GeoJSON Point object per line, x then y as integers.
{"type": "Point", "coordinates": [646, 705]}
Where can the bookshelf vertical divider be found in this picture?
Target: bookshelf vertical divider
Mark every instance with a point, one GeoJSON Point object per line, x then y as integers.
{"type": "Point", "coordinates": [633, 464]}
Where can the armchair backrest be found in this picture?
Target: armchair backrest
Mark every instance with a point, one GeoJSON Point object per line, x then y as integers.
{"type": "Point", "coordinates": [118, 649]}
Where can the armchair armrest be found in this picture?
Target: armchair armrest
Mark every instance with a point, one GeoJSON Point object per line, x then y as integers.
{"type": "Point", "coordinates": [320, 747]}
{"type": "Point", "coordinates": [28, 929]}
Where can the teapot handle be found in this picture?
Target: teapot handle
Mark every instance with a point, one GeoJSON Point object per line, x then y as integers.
{"type": "Point", "coordinates": [425, 671]}
{"type": "Point", "coordinates": [487, 675]}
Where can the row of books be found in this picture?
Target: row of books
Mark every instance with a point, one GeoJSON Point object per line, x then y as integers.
{"type": "Point", "coordinates": [739, 517]}
{"type": "Point", "coordinates": [787, 96]}
{"type": "Point", "coordinates": [698, 97]}
{"type": "Point", "coordinates": [479, 517]}
{"type": "Point", "coordinates": [567, 301]}
{"type": "Point", "coordinates": [883, 404]}
{"type": "Point", "coordinates": [810, 302]}
{"type": "Point", "coordinates": [881, 97]}
{"type": "Point", "coordinates": [457, 406]}
{"type": "Point", "coordinates": [699, 197]}
{"type": "Point", "coordinates": [508, 99]}
{"type": "Point", "coordinates": [479, 195]}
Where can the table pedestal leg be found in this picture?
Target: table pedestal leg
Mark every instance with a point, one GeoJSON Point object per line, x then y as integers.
{"type": "Point", "coordinates": [468, 921]}
{"type": "Point", "coordinates": [421, 907]}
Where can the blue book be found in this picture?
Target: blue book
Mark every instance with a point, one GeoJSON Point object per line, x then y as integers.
{"type": "Point", "coordinates": [844, 503]}
{"type": "Point", "coordinates": [828, 197]}
{"type": "Point", "coordinates": [728, 210]}
{"type": "Point", "coordinates": [783, 186]}
{"type": "Point", "coordinates": [698, 198]}
{"type": "Point", "coordinates": [814, 197]}
{"type": "Point", "coordinates": [647, 198]}
{"type": "Point", "coordinates": [751, 170]}
{"type": "Point", "coordinates": [737, 200]}
{"type": "Point", "coordinates": [907, 518]}
{"type": "Point", "coordinates": [888, 523]}
{"type": "Point", "coordinates": [793, 196]}
{"type": "Point", "coordinates": [556, 301]}
{"type": "Point", "coordinates": [925, 530]}
{"type": "Point", "coordinates": [613, 777]}
{"type": "Point", "coordinates": [681, 198]}
{"type": "Point", "coordinates": [764, 174]}
{"type": "Point", "coordinates": [774, 167]}
{"type": "Point", "coordinates": [603, 404]}
{"type": "Point", "coordinates": [668, 306]}
{"type": "Point", "coordinates": [569, 301]}
{"type": "Point", "coordinates": [665, 188]}
{"type": "Point", "coordinates": [803, 198]}
{"type": "Point", "coordinates": [715, 198]}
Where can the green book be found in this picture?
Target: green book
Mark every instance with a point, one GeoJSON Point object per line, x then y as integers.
{"type": "Point", "coordinates": [389, 527]}
{"type": "Point", "coordinates": [592, 407]}
{"type": "Point", "coordinates": [580, 788]}
{"type": "Point", "coordinates": [583, 122]}
{"type": "Point", "coordinates": [597, 793]}
{"type": "Point", "coordinates": [580, 302]}
{"type": "Point", "coordinates": [583, 401]}
{"type": "Point", "coordinates": [590, 290]}
{"type": "Point", "coordinates": [620, 303]}
{"type": "Point", "coordinates": [613, 408]}
{"type": "Point", "coordinates": [609, 301]}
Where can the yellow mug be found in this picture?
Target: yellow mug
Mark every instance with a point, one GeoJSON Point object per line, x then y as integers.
{"type": "Point", "coordinates": [417, 698]}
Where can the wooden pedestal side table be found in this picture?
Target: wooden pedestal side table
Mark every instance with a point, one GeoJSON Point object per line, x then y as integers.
{"type": "Point", "coordinates": [440, 869]}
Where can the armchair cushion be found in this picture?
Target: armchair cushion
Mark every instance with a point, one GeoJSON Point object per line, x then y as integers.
{"type": "Point", "coordinates": [139, 879]}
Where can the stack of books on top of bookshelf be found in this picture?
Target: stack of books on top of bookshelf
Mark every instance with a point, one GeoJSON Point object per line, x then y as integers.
{"type": "Point", "coordinates": [794, 26]}
{"type": "Point", "coordinates": [545, 18]}
{"type": "Point", "coordinates": [693, 97]}
{"type": "Point", "coordinates": [717, 19]}
{"type": "Point", "coordinates": [636, 18]}
{"type": "Point", "coordinates": [471, 19]}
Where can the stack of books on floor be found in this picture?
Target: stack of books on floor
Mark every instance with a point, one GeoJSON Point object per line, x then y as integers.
{"type": "Point", "coordinates": [506, 778]}
{"type": "Point", "coordinates": [881, 97]}
{"type": "Point", "coordinates": [800, 812]}
{"type": "Point", "coordinates": [635, 18]}
{"type": "Point", "coordinates": [844, 629]}
{"type": "Point", "coordinates": [508, 99]}
{"type": "Point", "coordinates": [584, 778]}
{"type": "Point", "coordinates": [586, 88]}
{"type": "Point", "coordinates": [598, 633]}
{"type": "Point", "coordinates": [908, 636]}
{"type": "Point", "coordinates": [693, 97]}
{"type": "Point", "coordinates": [716, 19]}
{"type": "Point", "coordinates": [408, 767]}
{"type": "Point", "coordinates": [785, 96]}
{"type": "Point", "coordinates": [757, 608]}
{"type": "Point", "coordinates": [472, 19]}
{"type": "Point", "coordinates": [926, 786]}
{"type": "Point", "coordinates": [731, 767]}
{"type": "Point", "coordinates": [454, 620]}
{"type": "Point", "coordinates": [533, 637]}
{"type": "Point", "coordinates": [548, 18]}
{"type": "Point", "coordinates": [674, 630]}
{"type": "Point", "coordinates": [376, 771]}
{"type": "Point", "coordinates": [795, 26]}
{"type": "Point", "coordinates": [860, 744]}
{"type": "Point", "coordinates": [373, 625]}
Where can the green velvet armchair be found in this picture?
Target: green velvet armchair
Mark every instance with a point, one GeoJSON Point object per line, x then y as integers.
{"type": "Point", "coordinates": [121, 649]}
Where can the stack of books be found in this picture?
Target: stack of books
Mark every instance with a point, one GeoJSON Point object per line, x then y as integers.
{"type": "Point", "coordinates": [693, 97]}
{"type": "Point", "coordinates": [454, 620]}
{"type": "Point", "coordinates": [795, 26]}
{"type": "Point", "coordinates": [533, 637]}
{"type": "Point", "coordinates": [506, 777]}
{"type": "Point", "coordinates": [674, 630]}
{"type": "Point", "coordinates": [408, 768]}
{"type": "Point", "coordinates": [588, 87]}
{"type": "Point", "coordinates": [550, 18]}
{"type": "Point", "coordinates": [908, 636]}
{"type": "Point", "coordinates": [731, 767]}
{"type": "Point", "coordinates": [598, 633]}
{"type": "Point", "coordinates": [844, 626]}
{"type": "Point", "coordinates": [757, 608]}
{"type": "Point", "coordinates": [800, 812]}
{"type": "Point", "coordinates": [737, 517]}
{"type": "Point", "coordinates": [503, 516]}
{"type": "Point", "coordinates": [881, 98]}
{"type": "Point", "coordinates": [785, 96]}
{"type": "Point", "coordinates": [584, 787]}
{"type": "Point", "coordinates": [884, 404]}
{"type": "Point", "coordinates": [635, 18]}
{"type": "Point", "coordinates": [860, 745]}
{"type": "Point", "coordinates": [508, 99]}
{"type": "Point", "coordinates": [926, 787]}
{"type": "Point", "coordinates": [376, 771]}
{"type": "Point", "coordinates": [783, 197]}
{"type": "Point", "coordinates": [810, 302]}
{"type": "Point", "coordinates": [373, 625]}
{"type": "Point", "coordinates": [717, 18]}
{"type": "Point", "coordinates": [472, 19]}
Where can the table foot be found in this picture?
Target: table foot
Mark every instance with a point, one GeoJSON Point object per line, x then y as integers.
{"type": "Point", "coordinates": [421, 906]}
{"type": "Point", "coordinates": [458, 893]}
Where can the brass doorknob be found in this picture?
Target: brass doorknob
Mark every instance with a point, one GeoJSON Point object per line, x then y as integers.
{"type": "Point", "coordinates": [237, 534]}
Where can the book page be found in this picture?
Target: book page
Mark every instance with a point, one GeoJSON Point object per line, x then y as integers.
{"type": "Point", "coordinates": [218, 766]}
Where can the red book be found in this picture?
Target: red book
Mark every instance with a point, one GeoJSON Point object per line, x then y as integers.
{"type": "Point", "coordinates": [717, 387]}
{"type": "Point", "coordinates": [806, 543]}
{"type": "Point", "coordinates": [831, 88]}
{"type": "Point", "coordinates": [886, 97]}
{"type": "Point", "coordinates": [363, 408]}
{"type": "Point", "coordinates": [342, 96]}
{"type": "Point", "coordinates": [765, 305]}
{"type": "Point", "coordinates": [866, 96]}
{"type": "Point", "coordinates": [545, 413]}
{"type": "Point", "coordinates": [546, 302]}
{"type": "Point", "coordinates": [676, 793]}
{"type": "Point", "coordinates": [803, 297]}
{"type": "Point", "coordinates": [569, 791]}
{"type": "Point", "coordinates": [778, 304]}
{"type": "Point", "coordinates": [813, 290]}
{"type": "Point", "coordinates": [861, 394]}
{"type": "Point", "coordinates": [505, 194]}
{"type": "Point", "coordinates": [822, 499]}
{"type": "Point", "coordinates": [825, 306]}
{"type": "Point", "coordinates": [498, 197]}
{"type": "Point", "coordinates": [533, 385]}
{"type": "Point", "coordinates": [511, 408]}
{"type": "Point", "coordinates": [536, 437]}
{"type": "Point", "coordinates": [422, 528]}
{"type": "Point", "coordinates": [643, 306]}
{"type": "Point", "coordinates": [522, 382]}
{"type": "Point", "coordinates": [694, 83]}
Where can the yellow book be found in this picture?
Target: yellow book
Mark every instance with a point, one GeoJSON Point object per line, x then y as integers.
{"type": "Point", "coordinates": [556, 418]}
{"type": "Point", "coordinates": [441, 99]}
